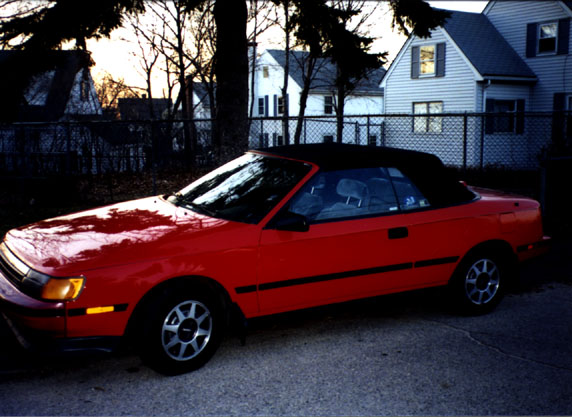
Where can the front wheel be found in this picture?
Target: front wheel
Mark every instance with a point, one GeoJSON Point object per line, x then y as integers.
{"type": "Point", "coordinates": [479, 283]}
{"type": "Point", "coordinates": [183, 331]}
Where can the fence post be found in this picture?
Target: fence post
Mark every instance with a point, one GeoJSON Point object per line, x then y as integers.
{"type": "Point", "coordinates": [465, 118]}
{"type": "Point", "coordinates": [482, 151]}
{"type": "Point", "coordinates": [68, 148]}
{"type": "Point", "coordinates": [154, 150]}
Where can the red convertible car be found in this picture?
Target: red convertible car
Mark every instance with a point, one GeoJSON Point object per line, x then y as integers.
{"type": "Point", "coordinates": [275, 230]}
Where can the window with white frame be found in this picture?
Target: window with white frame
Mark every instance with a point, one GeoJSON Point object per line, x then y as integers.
{"type": "Point", "coordinates": [261, 107]}
{"type": "Point", "coordinates": [265, 72]}
{"type": "Point", "coordinates": [427, 123]}
{"type": "Point", "coordinates": [547, 35]}
{"type": "Point", "coordinates": [427, 56]}
{"type": "Point", "coordinates": [281, 104]}
{"type": "Point", "coordinates": [428, 60]}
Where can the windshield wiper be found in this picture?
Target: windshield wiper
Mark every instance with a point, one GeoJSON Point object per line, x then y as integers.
{"type": "Point", "coordinates": [197, 208]}
{"type": "Point", "coordinates": [180, 200]}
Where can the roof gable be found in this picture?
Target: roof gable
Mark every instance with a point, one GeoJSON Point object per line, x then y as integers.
{"type": "Point", "coordinates": [47, 91]}
{"type": "Point", "coordinates": [485, 47]}
{"type": "Point", "coordinates": [325, 73]}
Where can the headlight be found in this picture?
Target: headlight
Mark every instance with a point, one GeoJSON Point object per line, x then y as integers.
{"type": "Point", "coordinates": [40, 285]}
{"type": "Point", "coordinates": [51, 288]}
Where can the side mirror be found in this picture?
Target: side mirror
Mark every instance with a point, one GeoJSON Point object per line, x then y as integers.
{"type": "Point", "coordinates": [291, 222]}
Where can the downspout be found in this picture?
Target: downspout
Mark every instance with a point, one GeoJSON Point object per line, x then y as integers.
{"type": "Point", "coordinates": [483, 117]}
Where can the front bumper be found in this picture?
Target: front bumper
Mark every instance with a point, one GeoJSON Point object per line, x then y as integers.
{"type": "Point", "coordinates": [30, 319]}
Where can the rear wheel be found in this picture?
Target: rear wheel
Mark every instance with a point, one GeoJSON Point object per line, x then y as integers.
{"type": "Point", "coordinates": [183, 329]}
{"type": "Point", "coordinates": [479, 282]}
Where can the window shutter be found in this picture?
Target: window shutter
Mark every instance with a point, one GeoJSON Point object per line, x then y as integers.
{"type": "Point", "coordinates": [531, 33]}
{"type": "Point", "coordinates": [266, 106]}
{"type": "Point", "coordinates": [490, 119]}
{"type": "Point", "coordinates": [415, 62]}
{"type": "Point", "coordinates": [563, 36]}
{"type": "Point", "coordinates": [440, 60]}
{"type": "Point", "coordinates": [520, 116]}
{"type": "Point", "coordinates": [559, 101]}
{"type": "Point", "coordinates": [275, 105]}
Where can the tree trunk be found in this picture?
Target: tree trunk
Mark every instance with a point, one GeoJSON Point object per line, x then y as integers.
{"type": "Point", "coordinates": [340, 114]}
{"type": "Point", "coordinates": [231, 70]}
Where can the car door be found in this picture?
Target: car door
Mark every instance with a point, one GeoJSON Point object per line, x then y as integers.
{"type": "Point", "coordinates": [358, 243]}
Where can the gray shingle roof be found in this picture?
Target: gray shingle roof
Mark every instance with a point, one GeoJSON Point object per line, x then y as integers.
{"type": "Point", "coordinates": [485, 47]}
{"type": "Point", "coordinates": [55, 89]}
{"type": "Point", "coordinates": [325, 73]}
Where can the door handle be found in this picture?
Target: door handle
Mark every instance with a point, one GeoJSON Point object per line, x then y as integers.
{"type": "Point", "coordinates": [397, 233]}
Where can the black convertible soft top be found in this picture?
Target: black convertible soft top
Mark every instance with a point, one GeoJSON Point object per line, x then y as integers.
{"type": "Point", "coordinates": [424, 169]}
{"type": "Point", "coordinates": [330, 156]}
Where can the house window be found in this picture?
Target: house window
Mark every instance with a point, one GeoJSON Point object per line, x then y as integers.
{"type": "Point", "coordinates": [281, 103]}
{"type": "Point", "coordinates": [548, 38]}
{"type": "Point", "coordinates": [427, 60]}
{"type": "Point", "coordinates": [547, 34]}
{"type": "Point", "coordinates": [428, 124]}
{"type": "Point", "coordinates": [328, 105]}
{"type": "Point", "coordinates": [506, 116]}
{"type": "Point", "coordinates": [504, 123]}
{"type": "Point", "coordinates": [265, 71]}
{"type": "Point", "coordinates": [261, 106]}
{"type": "Point", "coordinates": [84, 90]}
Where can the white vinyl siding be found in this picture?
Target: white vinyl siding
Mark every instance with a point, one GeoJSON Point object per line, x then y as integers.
{"type": "Point", "coordinates": [456, 88]}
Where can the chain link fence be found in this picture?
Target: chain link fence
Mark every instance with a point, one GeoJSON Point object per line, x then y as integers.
{"type": "Point", "coordinates": [476, 141]}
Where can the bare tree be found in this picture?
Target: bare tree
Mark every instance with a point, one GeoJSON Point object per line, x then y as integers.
{"type": "Point", "coordinates": [147, 54]}
{"type": "Point", "coordinates": [285, 99]}
{"type": "Point", "coordinates": [109, 90]}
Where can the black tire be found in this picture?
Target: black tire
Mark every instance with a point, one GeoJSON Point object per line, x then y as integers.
{"type": "Point", "coordinates": [479, 282]}
{"type": "Point", "coordinates": [183, 329]}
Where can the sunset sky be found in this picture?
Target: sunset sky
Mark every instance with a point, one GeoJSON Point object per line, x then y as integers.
{"type": "Point", "coordinates": [116, 55]}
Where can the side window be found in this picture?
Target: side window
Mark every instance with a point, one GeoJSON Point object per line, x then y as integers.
{"type": "Point", "coordinates": [408, 195]}
{"type": "Point", "coordinates": [352, 193]}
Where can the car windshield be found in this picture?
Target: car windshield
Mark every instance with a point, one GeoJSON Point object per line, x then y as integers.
{"type": "Point", "coordinates": [243, 190]}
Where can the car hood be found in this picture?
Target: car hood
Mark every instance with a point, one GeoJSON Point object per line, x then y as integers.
{"type": "Point", "coordinates": [128, 232]}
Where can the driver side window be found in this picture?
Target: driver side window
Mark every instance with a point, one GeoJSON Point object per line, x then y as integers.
{"type": "Point", "coordinates": [354, 193]}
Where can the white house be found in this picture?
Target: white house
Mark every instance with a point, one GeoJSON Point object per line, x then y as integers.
{"type": "Point", "coordinates": [366, 98]}
{"type": "Point", "coordinates": [512, 58]}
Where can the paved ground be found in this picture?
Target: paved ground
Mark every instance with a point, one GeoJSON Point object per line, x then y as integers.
{"type": "Point", "coordinates": [396, 355]}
